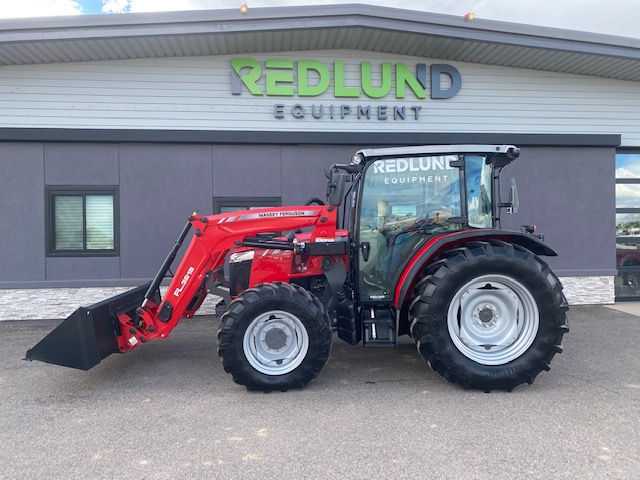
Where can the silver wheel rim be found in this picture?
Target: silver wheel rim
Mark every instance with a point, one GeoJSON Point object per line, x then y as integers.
{"type": "Point", "coordinates": [275, 343]}
{"type": "Point", "coordinates": [493, 319]}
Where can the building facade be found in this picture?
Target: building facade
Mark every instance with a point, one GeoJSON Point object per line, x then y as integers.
{"type": "Point", "coordinates": [113, 129]}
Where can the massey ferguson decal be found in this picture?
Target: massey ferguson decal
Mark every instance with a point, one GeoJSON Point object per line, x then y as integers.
{"type": "Point", "coordinates": [282, 214]}
{"type": "Point", "coordinates": [287, 213]}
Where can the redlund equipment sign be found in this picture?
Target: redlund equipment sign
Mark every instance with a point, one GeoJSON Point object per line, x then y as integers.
{"type": "Point", "coordinates": [311, 78]}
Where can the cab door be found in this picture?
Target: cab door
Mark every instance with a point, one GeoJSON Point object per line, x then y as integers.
{"type": "Point", "coordinates": [403, 202]}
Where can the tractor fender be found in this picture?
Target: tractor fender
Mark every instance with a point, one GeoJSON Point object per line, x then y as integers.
{"type": "Point", "coordinates": [437, 245]}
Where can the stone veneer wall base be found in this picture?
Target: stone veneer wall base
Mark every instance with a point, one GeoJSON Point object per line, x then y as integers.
{"type": "Point", "coordinates": [589, 290]}
{"type": "Point", "coordinates": [58, 303]}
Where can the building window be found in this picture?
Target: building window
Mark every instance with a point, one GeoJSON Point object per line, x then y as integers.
{"type": "Point", "coordinates": [627, 284]}
{"type": "Point", "coordinates": [233, 204]}
{"type": "Point", "coordinates": [82, 221]}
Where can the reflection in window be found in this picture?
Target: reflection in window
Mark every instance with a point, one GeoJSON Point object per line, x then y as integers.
{"type": "Point", "coordinates": [479, 180]}
{"type": "Point", "coordinates": [627, 195]}
{"type": "Point", "coordinates": [627, 283]}
{"type": "Point", "coordinates": [628, 165]}
{"type": "Point", "coordinates": [627, 225]}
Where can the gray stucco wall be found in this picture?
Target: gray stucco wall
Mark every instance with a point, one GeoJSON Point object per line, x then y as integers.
{"type": "Point", "coordinates": [160, 186]}
{"type": "Point", "coordinates": [568, 192]}
{"type": "Point", "coordinates": [22, 212]}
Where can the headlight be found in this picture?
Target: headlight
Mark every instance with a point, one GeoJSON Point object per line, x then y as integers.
{"type": "Point", "coordinates": [241, 256]}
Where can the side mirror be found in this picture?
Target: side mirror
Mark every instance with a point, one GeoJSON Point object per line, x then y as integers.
{"type": "Point", "coordinates": [335, 188]}
{"type": "Point", "coordinates": [514, 202]}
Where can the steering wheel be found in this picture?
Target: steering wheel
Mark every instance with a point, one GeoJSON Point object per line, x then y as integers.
{"type": "Point", "coordinates": [314, 200]}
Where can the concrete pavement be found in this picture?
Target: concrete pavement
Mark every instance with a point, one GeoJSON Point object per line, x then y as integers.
{"type": "Point", "coordinates": [632, 308]}
{"type": "Point", "coordinates": [168, 410]}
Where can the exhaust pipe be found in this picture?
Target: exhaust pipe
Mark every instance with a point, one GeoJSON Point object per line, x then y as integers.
{"type": "Point", "coordinates": [89, 334]}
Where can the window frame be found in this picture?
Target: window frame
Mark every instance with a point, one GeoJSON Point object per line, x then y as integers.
{"type": "Point", "coordinates": [250, 202]}
{"type": "Point", "coordinates": [52, 191]}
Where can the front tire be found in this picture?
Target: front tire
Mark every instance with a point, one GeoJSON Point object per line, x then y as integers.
{"type": "Point", "coordinates": [275, 336]}
{"type": "Point", "coordinates": [489, 316]}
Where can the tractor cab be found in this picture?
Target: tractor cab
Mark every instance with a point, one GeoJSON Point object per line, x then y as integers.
{"type": "Point", "coordinates": [407, 196]}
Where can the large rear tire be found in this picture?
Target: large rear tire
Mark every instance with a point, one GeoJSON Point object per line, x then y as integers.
{"type": "Point", "coordinates": [489, 316]}
{"type": "Point", "coordinates": [275, 336]}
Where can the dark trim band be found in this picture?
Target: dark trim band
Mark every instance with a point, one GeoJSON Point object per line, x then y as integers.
{"type": "Point", "coordinates": [303, 138]}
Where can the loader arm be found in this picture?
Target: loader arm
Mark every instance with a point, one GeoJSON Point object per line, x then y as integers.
{"type": "Point", "coordinates": [213, 237]}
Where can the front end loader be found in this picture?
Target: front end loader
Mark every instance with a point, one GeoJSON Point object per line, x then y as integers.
{"type": "Point", "coordinates": [413, 247]}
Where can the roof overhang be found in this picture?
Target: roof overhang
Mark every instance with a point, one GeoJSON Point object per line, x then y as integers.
{"type": "Point", "coordinates": [325, 27]}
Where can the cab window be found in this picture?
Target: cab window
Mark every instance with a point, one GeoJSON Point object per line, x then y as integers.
{"type": "Point", "coordinates": [479, 172]}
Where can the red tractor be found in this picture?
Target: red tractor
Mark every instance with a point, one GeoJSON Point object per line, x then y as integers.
{"type": "Point", "coordinates": [407, 244]}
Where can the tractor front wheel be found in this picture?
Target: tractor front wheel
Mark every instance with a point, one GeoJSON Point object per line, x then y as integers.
{"type": "Point", "coordinates": [489, 316]}
{"type": "Point", "coordinates": [275, 336]}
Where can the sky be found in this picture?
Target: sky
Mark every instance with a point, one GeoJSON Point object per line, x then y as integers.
{"type": "Point", "coordinates": [613, 17]}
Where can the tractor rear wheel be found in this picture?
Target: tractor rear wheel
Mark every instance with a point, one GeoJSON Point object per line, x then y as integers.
{"type": "Point", "coordinates": [489, 315]}
{"type": "Point", "coordinates": [275, 336]}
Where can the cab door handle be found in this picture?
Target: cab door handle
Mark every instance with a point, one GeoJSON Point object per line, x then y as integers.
{"type": "Point", "coordinates": [366, 250]}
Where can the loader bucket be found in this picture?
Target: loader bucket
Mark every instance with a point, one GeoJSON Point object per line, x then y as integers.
{"type": "Point", "coordinates": [89, 334]}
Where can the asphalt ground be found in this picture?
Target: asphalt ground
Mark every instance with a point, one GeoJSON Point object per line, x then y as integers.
{"type": "Point", "coordinates": [168, 410]}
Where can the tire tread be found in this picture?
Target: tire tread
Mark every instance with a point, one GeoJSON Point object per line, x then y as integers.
{"type": "Point", "coordinates": [429, 306]}
{"type": "Point", "coordinates": [236, 318]}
